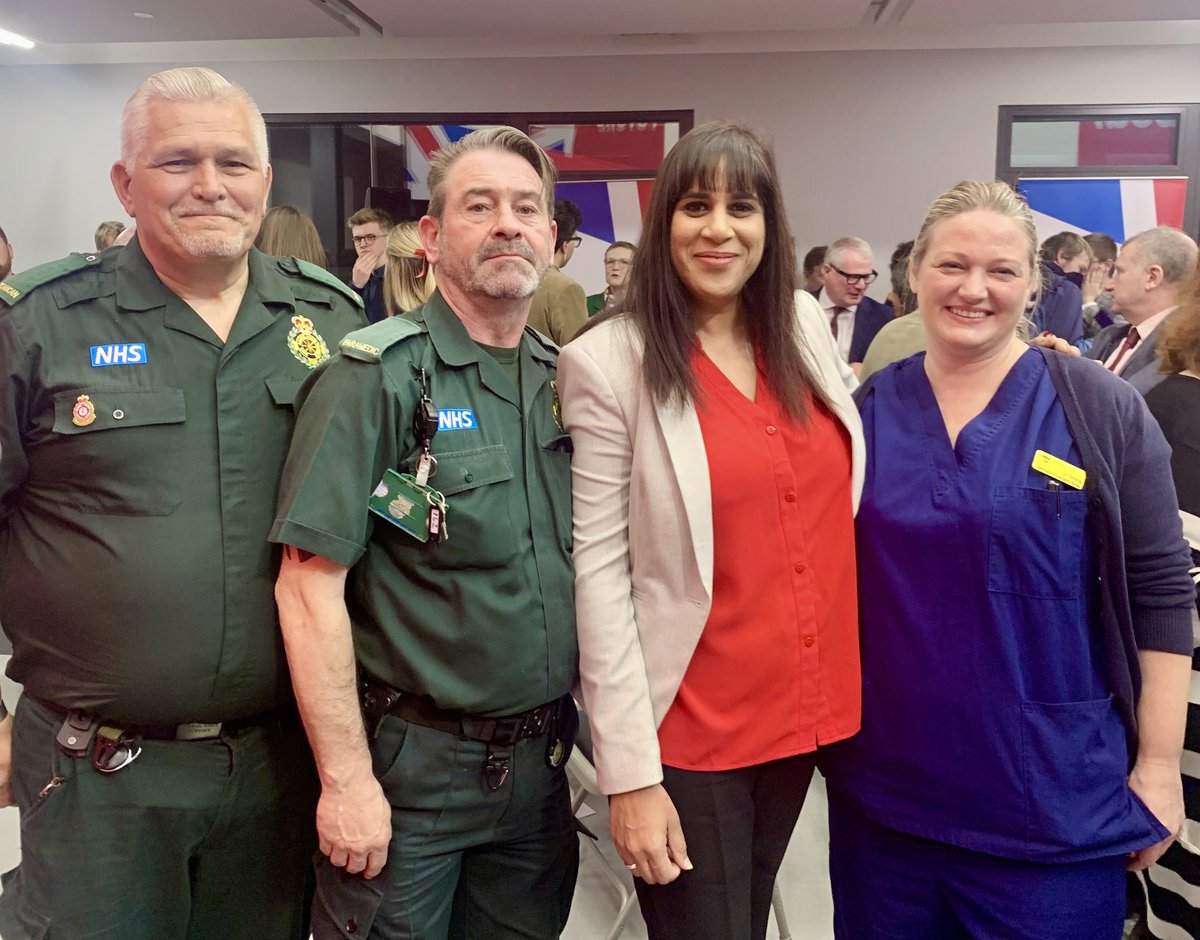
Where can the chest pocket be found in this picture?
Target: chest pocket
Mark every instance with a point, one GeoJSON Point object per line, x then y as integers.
{"type": "Point", "coordinates": [284, 389]}
{"type": "Point", "coordinates": [122, 455]}
{"type": "Point", "coordinates": [1035, 545]}
{"type": "Point", "coordinates": [480, 523]}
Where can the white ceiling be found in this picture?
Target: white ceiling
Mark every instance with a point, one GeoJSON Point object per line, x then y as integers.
{"type": "Point", "coordinates": [223, 30]}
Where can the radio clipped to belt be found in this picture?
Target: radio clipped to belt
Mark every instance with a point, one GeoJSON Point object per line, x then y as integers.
{"type": "Point", "coordinates": [406, 500]}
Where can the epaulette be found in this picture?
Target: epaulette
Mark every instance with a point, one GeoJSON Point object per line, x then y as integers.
{"type": "Point", "coordinates": [543, 340]}
{"type": "Point", "coordinates": [14, 290]}
{"type": "Point", "coordinates": [316, 273]}
{"type": "Point", "coordinates": [369, 343]}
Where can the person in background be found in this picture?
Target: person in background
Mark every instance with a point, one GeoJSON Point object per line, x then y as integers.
{"type": "Point", "coordinates": [905, 335]}
{"type": "Point", "coordinates": [146, 404]}
{"type": "Point", "coordinates": [853, 317]}
{"type": "Point", "coordinates": [408, 280]}
{"type": "Point", "coordinates": [6, 256]}
{"type": "Point", "coordinates": [1172, 886]}
{"type": "Point", "coordinates": [1097, 302]}
{"type": "Point", "coordinates": [1059, 308]}
{"type": "Point", "coordinates": [814, 273]}
{"type": "Point", "coordinates": [1145, 283]}
{"type": "Point", "coordinates": [559, 308]}
{"type": "Point", "coordinates": [716, 465]}
{"type": "Point", "coordinates": [107, 233]}
{"type": "Point", "coordinates": [287, 232]}
{"type": "Point", "coordinates": [1068, 255]}
{"type": "Point", "coordinates": [618, 259]}
{"type": "Point", "coordinates": [1026, 618]}
{"type": "Point", "coordinates": [369, 230]}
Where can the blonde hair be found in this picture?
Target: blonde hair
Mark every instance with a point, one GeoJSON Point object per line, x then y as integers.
{"type": "Point", "coordinates": [405, 287]}
{"type": "Point", "coordinates": [106, 234]}
{"type": "Point", "coordinates": [288, 233]}
{"type": "Point", "coordinates": [1179, 345]}
{"type": "Point", "coordinates": [187, 84]}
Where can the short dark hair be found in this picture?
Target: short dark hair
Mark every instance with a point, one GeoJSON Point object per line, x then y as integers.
{"type": "Point", "coordinates": [621, 244]}
{"type": "Point", "coordinates": [568, 217]}
{"type": "Point", "coordinates": [367, 216]}
{"type": "Point", "coordinates": [3, 237]}
{"type": "Point", "coordinates": [1103, 245]}
{"type": "Point", "coordinates": [718, 155]}
{"type": "Point", "coordinates": [813, 258]}
{"type": "Point", "coordinates": [898, 266]}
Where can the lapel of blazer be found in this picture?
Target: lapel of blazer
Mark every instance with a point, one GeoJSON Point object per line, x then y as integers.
{"type": "Point", "coordinates": [685, 447]}
{"type": "Point", "coordinates": [1144, 354]}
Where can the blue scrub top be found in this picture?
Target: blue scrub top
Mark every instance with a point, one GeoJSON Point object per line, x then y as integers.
{"type": "Point", "coordinates": [987, 721]}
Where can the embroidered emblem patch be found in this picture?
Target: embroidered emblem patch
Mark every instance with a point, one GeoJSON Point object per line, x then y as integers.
{"type": "Point", "coordinates": [305, 342]}
{"type": "Point", "coordinates": [556, 404]}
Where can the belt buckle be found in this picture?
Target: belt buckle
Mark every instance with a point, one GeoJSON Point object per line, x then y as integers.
{"type": "Point", "coordinates": [198, 730]}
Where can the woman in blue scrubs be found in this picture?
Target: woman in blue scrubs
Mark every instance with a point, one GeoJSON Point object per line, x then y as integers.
{"type": "Point", "coordinates": [1026, 619]}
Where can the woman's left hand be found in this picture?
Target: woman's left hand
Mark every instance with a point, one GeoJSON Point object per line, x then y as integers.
{"type": "Point", "coordinates": [1057, 343]}
{"type": "Point", "coordinates": [1160, 786]}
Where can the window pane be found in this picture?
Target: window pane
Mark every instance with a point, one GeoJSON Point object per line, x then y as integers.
{"type": "Point", "coordinates": [592, 148]}
{"type": "Point", "coordinates": [1143, 140]}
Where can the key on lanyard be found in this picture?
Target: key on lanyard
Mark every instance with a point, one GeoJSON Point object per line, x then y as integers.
{"type": "Point", "coordinates": [425, 426]}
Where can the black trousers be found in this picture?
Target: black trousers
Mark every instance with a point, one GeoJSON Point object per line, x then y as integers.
{"type": "Point", "coordinates": [737, 824]}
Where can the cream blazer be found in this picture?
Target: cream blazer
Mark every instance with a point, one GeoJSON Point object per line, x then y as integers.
{"type": "Point", "coordinates": [643, 534]}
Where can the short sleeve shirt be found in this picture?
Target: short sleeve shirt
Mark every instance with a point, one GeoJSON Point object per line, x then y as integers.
{"type": "Point", "coordinates": [139, 467]}
{"type": "Point", "coordinates": [483, 622]}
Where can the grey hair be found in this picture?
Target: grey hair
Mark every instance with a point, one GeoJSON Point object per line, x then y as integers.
{"type": "Point", "coordinates": [186, 84]}
{"type": "Point", "coordinates": [1169, 248]}
{"type": "Point", "coordinates": [507, 139]}
{"type": "Point", "coordinates": [836, 251]}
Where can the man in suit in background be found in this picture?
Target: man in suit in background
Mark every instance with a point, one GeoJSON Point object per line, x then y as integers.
{"type": "Point", "coordinates": [1145, 283]}
{"type": "Point", "coordinates": [853, 317]}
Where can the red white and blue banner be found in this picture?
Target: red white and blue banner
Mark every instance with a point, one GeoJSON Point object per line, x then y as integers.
{"type": "Point", "coordinates": [1122, 207]}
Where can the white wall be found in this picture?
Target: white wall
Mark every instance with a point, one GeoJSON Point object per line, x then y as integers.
{"type": "Point", "coordinates": [864, 139]}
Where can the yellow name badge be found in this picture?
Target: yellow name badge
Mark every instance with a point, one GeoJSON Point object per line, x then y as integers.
{"type": "Point", "coordinates": [1058, 469]}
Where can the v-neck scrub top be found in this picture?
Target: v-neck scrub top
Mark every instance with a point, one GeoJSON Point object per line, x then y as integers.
{"type": "Point", "coordinates": [987, 720]}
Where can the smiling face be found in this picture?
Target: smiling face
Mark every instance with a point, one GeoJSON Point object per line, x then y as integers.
{"type": "Point", "coordinates": [973, 284]}
{"type": "Point", "coordinates": [198, 189]}
{"type": "Point", "coordinates": [717, 240]}
{"type": "Point", "coordinates": [495, 238]}
{"type": "Point", "coordinates": [847, 289]}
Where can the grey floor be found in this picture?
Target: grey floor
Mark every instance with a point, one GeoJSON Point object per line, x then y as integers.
{"type": "Point", "coordinates": [803, 879]}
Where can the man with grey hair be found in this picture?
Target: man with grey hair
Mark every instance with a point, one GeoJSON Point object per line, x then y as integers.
{"type": "Point", "coordinates": [854, 318]}
{"type": "Point", "coordinates": [426, 592]}
{"type": "Point", "coordinates": [159, 765]}
{"type": "Point", "coordinates": [1145, 282]}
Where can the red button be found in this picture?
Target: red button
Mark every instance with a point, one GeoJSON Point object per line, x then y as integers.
{"type": "Point", "coordinates": [799, 569]}
{"type": "Point", "coordinates": [809, 641]}
{"type": "Point", "coordinates": [771, 429]}
{"type": "Point", "coordinates": [790, 497]}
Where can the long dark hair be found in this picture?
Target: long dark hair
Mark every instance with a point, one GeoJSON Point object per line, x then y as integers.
{"type": "Point", "coordinates": [717, 155]}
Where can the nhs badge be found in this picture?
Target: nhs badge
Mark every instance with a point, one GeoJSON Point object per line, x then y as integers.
{"type": "Point", "coordinates": [119, 354]}
{"type": "Point", "coordinates": [456, 419]}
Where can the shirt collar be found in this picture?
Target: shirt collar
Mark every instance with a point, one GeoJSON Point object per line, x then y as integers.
{"type": "Point", "coordinates": [1148, 326]}
{"type": "Point", "coordinates": [453, 343]}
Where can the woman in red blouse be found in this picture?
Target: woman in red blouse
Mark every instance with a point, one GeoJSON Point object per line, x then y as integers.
{"type": "Point", "coordinates": [717, 465]}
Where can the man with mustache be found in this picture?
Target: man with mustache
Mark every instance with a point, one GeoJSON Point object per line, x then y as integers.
{"type": "Point", "coordinates": [163, 778]}
{"type": "Point", "coordinates": [426, 592]}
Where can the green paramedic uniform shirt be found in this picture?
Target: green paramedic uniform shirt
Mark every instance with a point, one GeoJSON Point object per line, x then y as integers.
{"type": "Point", "coordinates": [139, 467]}
{"type": "Point", "coordinates": [483, 622]}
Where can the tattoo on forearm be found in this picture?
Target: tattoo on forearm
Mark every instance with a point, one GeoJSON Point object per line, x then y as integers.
{"type": "Point", "coordinates": [297, 554]}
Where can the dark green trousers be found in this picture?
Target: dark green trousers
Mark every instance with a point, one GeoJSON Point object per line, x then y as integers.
{"type": "Point", "coordinates": [194, 840]}
{"type": "Point", "coordinates": [465, 862]}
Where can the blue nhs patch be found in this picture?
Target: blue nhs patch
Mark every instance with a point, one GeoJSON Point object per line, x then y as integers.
{"type": "Point", "coordinates": [456, 419]}
{"type": "Point", "coordinates": [119, 354]}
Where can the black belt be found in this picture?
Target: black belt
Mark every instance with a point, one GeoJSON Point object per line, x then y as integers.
{"type": "Point", "coordinates": [189, 731]}
{"type": "Point", "coordinates": [379, 699]}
